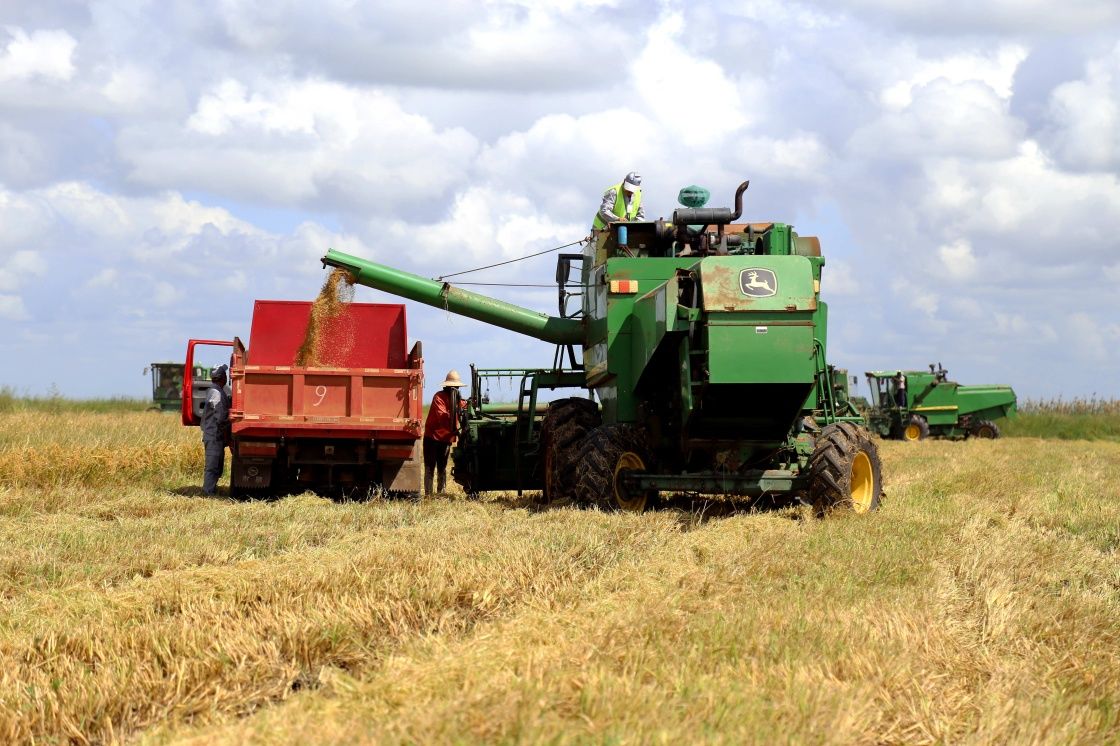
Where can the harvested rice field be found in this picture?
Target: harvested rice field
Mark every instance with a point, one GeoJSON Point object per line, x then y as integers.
{"type": "Point", "coordinates": [981, 604]}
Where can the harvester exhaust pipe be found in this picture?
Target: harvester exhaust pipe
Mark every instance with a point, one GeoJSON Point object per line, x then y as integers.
{"type": "Point", "coordinates": [443, 295]}
{"type": "Point", "coordinates": [711, 215]}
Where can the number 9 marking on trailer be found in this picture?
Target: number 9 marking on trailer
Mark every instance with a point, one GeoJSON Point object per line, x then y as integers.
{"type": "Point", "coordinates": [321, 392]}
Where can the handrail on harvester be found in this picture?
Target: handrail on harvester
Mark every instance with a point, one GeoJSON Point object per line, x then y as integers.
{"type": "Point", "coordinates": [443, 295]}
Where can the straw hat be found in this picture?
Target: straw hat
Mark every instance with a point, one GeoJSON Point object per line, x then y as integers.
{"type": "Point", "coordinates": [452, 379]}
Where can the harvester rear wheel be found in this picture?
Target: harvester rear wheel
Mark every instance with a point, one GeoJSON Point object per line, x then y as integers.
{"type": "Point", "coordinates": [607, 453]}
{"type": "Point", "coordinates": [567, 423]}
{"type": "Point", "coordinates": [916, 429]}
{"type": "Point", "coordinates": [845, 471]}
{"type": "Point", "coordinates": [985, 429]}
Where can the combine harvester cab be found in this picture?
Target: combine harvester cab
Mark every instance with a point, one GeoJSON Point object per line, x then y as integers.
{"type": "Point", "coordinates": [348, 425]}
{"type": "Point", "coordinates": [167, 385]}
{"type": "Point", "coordinates": [703, 341]}
{"type": "Point", "coordinates": [936, 406]}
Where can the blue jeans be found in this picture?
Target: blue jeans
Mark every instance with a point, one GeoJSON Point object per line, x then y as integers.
{"type": "Point", "coordinates": [215, 463]}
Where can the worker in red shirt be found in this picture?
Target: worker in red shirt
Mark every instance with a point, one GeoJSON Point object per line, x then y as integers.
{"type": "Point", "coordinates": [441, 429]}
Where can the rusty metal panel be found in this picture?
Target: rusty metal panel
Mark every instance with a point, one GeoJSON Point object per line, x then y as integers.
{"type": "Point", "coordinates": [757, 283]}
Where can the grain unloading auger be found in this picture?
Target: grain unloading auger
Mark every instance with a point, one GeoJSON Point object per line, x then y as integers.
{"type": "Point", "coordinates": [704, 342]}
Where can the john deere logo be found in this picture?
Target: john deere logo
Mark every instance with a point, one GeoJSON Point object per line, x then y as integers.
{"type": "Point", "coordinates": [757, 282]}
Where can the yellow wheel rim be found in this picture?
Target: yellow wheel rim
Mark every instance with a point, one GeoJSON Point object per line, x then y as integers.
{"type": "Point", "coordinates": [629, 461]}
{"type": "Point", "coordinates": [912, 432]}
{"type": "Point", "coordinates": [863, 483]}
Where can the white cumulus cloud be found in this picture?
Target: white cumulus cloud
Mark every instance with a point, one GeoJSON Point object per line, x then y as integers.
{"type": "Point", "coordinates": [665, 71]}
{"type": "Point", "coordinates": [12, 308]}
{"type": "Point", "coordinates": [43, 54]}
{"type": "Point", "coordinates": [303, 142]}
{"type": "Point", "coordinates": [957, 259]}
{"type": "Point", "coordinates": [1085, 117]}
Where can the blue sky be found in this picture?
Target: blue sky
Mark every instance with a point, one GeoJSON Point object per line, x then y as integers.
{"type": "Point", "coordinates": [163, 164]}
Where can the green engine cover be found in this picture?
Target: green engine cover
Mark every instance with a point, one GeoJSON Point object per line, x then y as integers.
{"type": "Point", "coordinates": [759, 312]}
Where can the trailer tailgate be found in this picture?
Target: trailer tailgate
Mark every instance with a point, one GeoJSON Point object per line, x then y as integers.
{"type": "Point", "coordinates": [327, 402]}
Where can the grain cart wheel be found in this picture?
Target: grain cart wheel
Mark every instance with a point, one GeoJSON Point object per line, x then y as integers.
{"type": "Point", "coordinates": [985, 429]}
{"type": "Point", "coordinates": [606, 454]}
{"type": "Point", "coordinates": [567, 423]}
{"type": "Point", "coordinates": [845, 472]}
{"type": "Point", "coordinates": [916, 429]}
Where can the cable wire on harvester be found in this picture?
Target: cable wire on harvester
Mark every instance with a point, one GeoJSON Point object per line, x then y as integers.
{"type": "Point", "coordinates": [442, 278]}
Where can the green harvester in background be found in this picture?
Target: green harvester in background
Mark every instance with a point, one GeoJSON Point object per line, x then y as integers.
{"type": "Point", "coordinates": [167, 385]}
{"type": "Point", "coordinates": [935, 406]}
{"type": "Point", "coordinates": [702, 364]}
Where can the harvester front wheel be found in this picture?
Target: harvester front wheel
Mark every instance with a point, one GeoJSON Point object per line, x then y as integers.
{"type": "Point", "coordinates": [608, 453]}
{"type": "Point", "coordinates": [845, 471]}
{"type": "Point", "coordinates": [565, 426]}
{"type": "Point", "coordinates": [985, 429]}
{"type": "Point", "coordinates": [916, 429]}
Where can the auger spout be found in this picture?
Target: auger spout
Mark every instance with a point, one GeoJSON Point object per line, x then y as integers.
{"type": "Point", "coordinates": [456, 300]}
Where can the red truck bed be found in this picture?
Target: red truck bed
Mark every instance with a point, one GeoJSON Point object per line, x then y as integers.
{"type": "Point", "coordinates": [369, 385]}
{"type": "Point", "coordinates": [351, 422]}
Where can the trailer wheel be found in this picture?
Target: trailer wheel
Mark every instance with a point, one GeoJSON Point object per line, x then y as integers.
{"type": "Point", "coordinates": [605, 455]}
{"type": "Point", "coordinates": [916, 429]}
{"type": "Point", "coordinates": [567, 423]}
{"type": "Point", "coordinates": [845, 471]}
{"type": "Point", "coordinates": [985, 429]}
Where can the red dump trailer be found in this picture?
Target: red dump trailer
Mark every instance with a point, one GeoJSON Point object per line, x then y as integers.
{"type": "Point", "coordinates": [350, 423]}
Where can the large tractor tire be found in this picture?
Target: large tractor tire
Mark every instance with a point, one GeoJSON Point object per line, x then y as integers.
{"type": "Point", "coordinates": [607, 452]}
{"type": "Point", "coordinates": [985, 429]}
{"type": "Point", "coordinates": [916, 429]}
{"type": "Point", "coordinates": [566, 424]}
{"type": "Point", "coordinates": [845, 471]}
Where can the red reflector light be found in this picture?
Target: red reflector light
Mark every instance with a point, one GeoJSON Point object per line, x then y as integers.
{"type": "Point", "coordinates": [256, 449]}
{"type": "Point", "coordinates": [624, 286]}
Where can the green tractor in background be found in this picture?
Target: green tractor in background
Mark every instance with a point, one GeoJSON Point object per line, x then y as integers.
{"type": "Point", "coordinates": [167, 385]}
{"type": "Point", "coordinates": [931, 405]}
{"type": "Point", "coordinates": [842, 392]}
{"type": "Point", "coordinates": [703, 344]}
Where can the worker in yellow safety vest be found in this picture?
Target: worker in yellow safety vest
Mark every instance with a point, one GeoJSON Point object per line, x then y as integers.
{"type": "Point", "coordinates": [623, 201]}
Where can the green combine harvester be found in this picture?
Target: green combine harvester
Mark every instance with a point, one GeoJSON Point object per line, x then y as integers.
{"type": "Point", "coordinates": [167, 385]}
{"type": "Point", "coordinates": [932, 405]}
{"type": "Point", "coordinates": [703, 341]}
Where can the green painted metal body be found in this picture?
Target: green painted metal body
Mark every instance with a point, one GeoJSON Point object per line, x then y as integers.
{"type": "Point", "coordinates": [167, 384]}
{"type": "Point", "coordinates": [718, 353]}
{"type": "Point", "coordinates": [456, 300]}
{"type": "Point", "coordinates": [842, 384]}
{"type": "Point", "coordinates": [499, 445]}
{"type": "Point", "coordinates": [950, 409]}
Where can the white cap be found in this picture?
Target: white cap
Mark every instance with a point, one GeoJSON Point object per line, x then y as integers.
{"type": "Point", "coordinates": [632, 182]}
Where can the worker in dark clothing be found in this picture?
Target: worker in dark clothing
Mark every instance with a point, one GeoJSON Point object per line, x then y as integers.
{"type": "Point", "coordinates": [215, 429]}
{"type": "Point", "coordinates": [900, 390]}
{"type": "Point", "coordinates": [441, 430]}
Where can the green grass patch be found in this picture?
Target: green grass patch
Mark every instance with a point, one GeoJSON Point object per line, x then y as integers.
{"type": "Point", "coordinates": [55, 403]}
{"type": "Point", "coordinates": [1063, 426]}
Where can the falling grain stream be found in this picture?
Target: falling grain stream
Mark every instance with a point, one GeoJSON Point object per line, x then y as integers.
{"type": "Point", "coordinates": [337, 291]}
